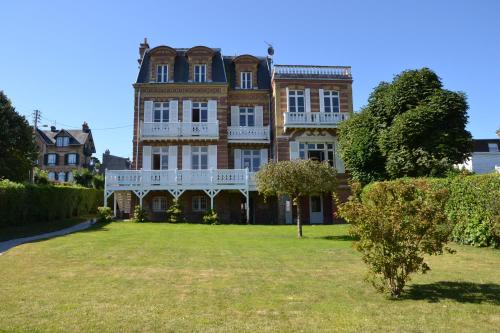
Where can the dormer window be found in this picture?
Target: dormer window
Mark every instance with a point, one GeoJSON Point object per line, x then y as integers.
{"type": "Point", "coordinates": [162, 73]}
{"type": "Point", "coordinates": [200, 73]}
{"type": "Point", "coordinates": [62, 141]}
{"type": "Point", "coordinates": [246, 80]}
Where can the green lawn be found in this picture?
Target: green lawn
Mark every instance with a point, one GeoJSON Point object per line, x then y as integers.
{"type": "Point", "coordinates": [127, 277]}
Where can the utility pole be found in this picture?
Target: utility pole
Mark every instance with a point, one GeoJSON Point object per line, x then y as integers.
{"type": "Point", "coordinates": [36, 119]}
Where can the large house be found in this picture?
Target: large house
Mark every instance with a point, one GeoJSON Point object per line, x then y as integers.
{"type": "Point", "coordinates": [485, 157]}
{"type": "Point", "coordinates": [63, 151]}
{"type": "Point", "coordinates": [204, 123]}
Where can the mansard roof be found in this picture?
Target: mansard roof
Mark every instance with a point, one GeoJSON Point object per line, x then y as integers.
{"type": "Point", "coordinates": [263, 70]}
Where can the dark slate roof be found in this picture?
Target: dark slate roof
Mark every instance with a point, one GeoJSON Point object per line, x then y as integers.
{"type": "Point", "coordinates": [481, 145]}
{"type": "Point", "coordinates": [112, 162]}
{"type": "Point", "coordinates": [263, 72]}
{"type": "Point", "coordinates": [77, 137]}
{"type": "Point", "coordinates": [181, 67]}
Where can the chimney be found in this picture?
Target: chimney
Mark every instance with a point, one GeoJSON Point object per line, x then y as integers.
{"type": "Point", "coordinates": [85, 127]}
{"type": "Point", "coordinates": [107, 152]}
{"type": "Point", "coordinates": [53, 129]}
{"type": "Point", "coordinates": [142, 49]}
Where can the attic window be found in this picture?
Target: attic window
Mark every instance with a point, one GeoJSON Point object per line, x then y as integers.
{"type": "Point", "coordinates": [200, 73]}
{"type": "Point", "coordinates": [162, 73]}
{"type": "Point", "coordinates": [246, 80]}
{"type": "Point", "coordinates": [62, 141]}
{"type": "Point", "coordinates": [493, 147]}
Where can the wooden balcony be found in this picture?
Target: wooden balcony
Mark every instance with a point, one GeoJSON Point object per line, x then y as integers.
{"type": "Point", "coordinates": [314, 119]}
{"type": "Point", "coordinates": [179, 130]}
{"type": "Point", "coordinates": [251, 134]}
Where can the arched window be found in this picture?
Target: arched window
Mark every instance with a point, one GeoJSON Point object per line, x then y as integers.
{"type": "Point", "coordinates": [52, 176]}
{"type": "Point", "coordinates": [69, 176]}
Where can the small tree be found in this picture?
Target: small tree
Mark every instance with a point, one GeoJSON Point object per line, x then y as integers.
{"type": "Point", "coordinates": [210, 217]}
{"type": "Point", "coordinates": [396, 224]}
{"type": "Point", "coordinates": [140, 214]}
{"type": "Point", "coordinates": [296, 179]}
{"type": "Point", "coordinates": [174, 212]}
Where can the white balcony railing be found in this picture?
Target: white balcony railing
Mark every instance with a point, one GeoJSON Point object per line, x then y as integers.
{"type": "Point", "coordinates": [248, 133]}
{"type": "Point", "coordinates": [179, 179]}
{"type": "Point", "coordinates": [179, 130]}
{"type": "Point", "coordinates": [343, 71]}
{"type": "Point", "coordinates": [314, 119]}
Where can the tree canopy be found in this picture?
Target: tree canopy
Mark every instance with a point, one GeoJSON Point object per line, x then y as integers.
{"type": "Point", "coordinates": [17, 147]}
{"type": "Point", "coordinates": [410, 127]}
{"type": "Point", "coordinates": [295, 179]}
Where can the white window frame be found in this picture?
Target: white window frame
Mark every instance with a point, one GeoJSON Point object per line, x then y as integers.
{"type": "Point", "coordinates": [162, 75]}
{"type": "Point", "coordinates": [62, 141]}
{"type": "Point", "coordinates": [199, 203]}
{"type": "Point", "coordinates": [52, 176]}
{"type": "Point", "coordinates": [160, 205]}
{"type": "Point", "coordinates": [197, 154]}
{"type": "Point", "coordinates": [245, 114]}
{"type": "Point", "coordinates": [250, 159]}
{"type": "Point", "coordinates": [54, 159]}
{"type": "Point", "coordinates": [246, 80]}
{"type": "Point", "coordinates": [72, 156]}
{"type": "Point", "coordinates": [295, 96]}
{"type": "Point", "coordinates": [493, 147]}
{"type": "Point", "coordinates": [200, 73]}
{"type": "Point", "coordinates": [63, 176]}
{"type": "Point", "coordinates": [69, 177]}
{"type": "Point", "coordinates": [202, 108]}
{"type": "Point", "coordinates": [163, 109]}
{"type": "Point", "coordinates": [331, 96]}
{"type": "Point", "coordinates": [326, 147]}
{"type": "Point", "coordinates": [163, 152]}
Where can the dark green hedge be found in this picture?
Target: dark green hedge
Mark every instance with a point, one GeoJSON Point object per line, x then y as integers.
{"type": "Point", "coordinates": [25, 204]}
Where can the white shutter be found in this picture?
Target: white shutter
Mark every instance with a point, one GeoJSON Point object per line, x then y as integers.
{"type": "Point", "coordinates": [307, 99]}
{"type": "Point", "coordinates": [172, 157]}
{"type": "Point", "coordinates": [212, 111]}
{"type": "Point", "coordinates": [235, 115]}
{"type": "Point", "coordinates": [294, 150]}
{"type": "Point", "coordinates": [146, 158]}
{"type": "Point", "coordinates": [237, 158]}
{"type": "Point", "coordinates": [321, 100]}
{"type": "Point", "coordinates": [173, 110]}
{"type": "Point", "coordinates": [212, 156]}
{"type": "Point", "coordinates": [148, 111]}
{"type": "Point", "coordinates": [287, 100]}
{"type": "Point", "coordinates": [339, 163]}
{"type": "Point", "coordinates": [186, 111]}
{"type": "Point", "coordinates": [259, 115]}
{"type": "Point", "coordinates": [186, 157]}
{"type": "Point", "coordinates": [263, 157]}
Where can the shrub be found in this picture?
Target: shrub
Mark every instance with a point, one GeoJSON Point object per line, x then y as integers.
{"type": "Point", "coordinates": [210, 217]}
{"type": "Point", "coordinates": [41, 177]}
{"type": "Point", "coordinates": [104, 214]}
{"type": "Point", "coordinates": [174, 212]}
{"type": "Point", "coordinates": [140, 214]}
{"type": "Point", "coordinates": [396, 224]}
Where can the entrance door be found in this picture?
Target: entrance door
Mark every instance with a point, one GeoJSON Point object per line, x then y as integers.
{"type": "Point", "coordinates": [316, 209]}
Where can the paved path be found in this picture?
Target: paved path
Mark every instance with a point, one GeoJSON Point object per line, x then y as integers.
{"type": "Point", "coordinates": [4, 246]}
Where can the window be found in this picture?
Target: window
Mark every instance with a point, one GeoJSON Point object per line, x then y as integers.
{"type": "Point", "coordinates": [61, 177]}
{"type": "Point", "coordinates": [331, 101]}
{"type": "Point", "coordinates": [69, 176]}
{"type": "Point", "coordinates": [199, 203]}
{"type": "Point", "coordinates": [493, 147]}
{"type": "Point", "coordinates": [162, 73]}
{"type": "Point", "coordinates": [160, 112]}
{"type": "Point", "coordinates": [318, 152]}
{"type": "Point", "coordinates": [71, 159]}
{"type": "Point", "coordinates": [250, 159]}
{"type": "Point", "coordinates": [200, 112]}
{"type": "Point", "coordinates": [160, 158]}
{"type": "Point", "coordinates": [247, 117]}
{"type": "Point", "coordinates": [199, 157]}
{"type": "Point", "coordinates": [296, 101]}
{"type": "Point", "coordinates": [52, 176]}
{"type": "Point", "coordinates": [159, 204]}
{"type": "Point", "coordinates": [51, 159]}
{"type": "Point", "coordinates": [200, 73]}
{"type": "Point", "coordinates": [62, 141]}
{"type": "Point", "coordinates": [246, 80]}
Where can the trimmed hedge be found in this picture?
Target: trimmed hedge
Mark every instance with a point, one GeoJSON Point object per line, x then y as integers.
{"type": "Point", "coordinates": [25, 204]}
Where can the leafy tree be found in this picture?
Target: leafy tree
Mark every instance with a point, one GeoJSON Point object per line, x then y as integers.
{"type": "Point", "coordinates": [174, 212]}
{"type": "Point", "coordinates": [296, 179]}
{"type": "Point", "coordinates": [41, 176]}
{"type": "Point", "coordinates": [18, 150]}
{"type": "Point", "coordinates": [140, 214]}
{"type": "Point", "coordinates": [88, 178]}
{"type": "Point", "coordinates": [396, 224]}
{"type": "Point", "coordinates": [410, 127]}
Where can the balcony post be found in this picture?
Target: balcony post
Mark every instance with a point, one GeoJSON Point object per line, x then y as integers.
{"type": "Point", "coordinates": [114, 203]}
{"type": "Point", "coordinates": [105, 187]}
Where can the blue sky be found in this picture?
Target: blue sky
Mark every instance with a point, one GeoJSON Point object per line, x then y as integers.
{"type": "Point", "coordinates": [76, 61]}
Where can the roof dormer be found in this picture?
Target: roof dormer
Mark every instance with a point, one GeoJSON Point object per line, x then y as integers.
{"type": "Point", "coordinates": [246, 71]}
{"type": "Point", "coordinates": [200, 63]}
{"type": "Point", "coordinates": [162, 60]}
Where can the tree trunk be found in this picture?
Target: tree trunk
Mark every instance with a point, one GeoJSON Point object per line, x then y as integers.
{"type": "Point", "coordinates": [299, 220]}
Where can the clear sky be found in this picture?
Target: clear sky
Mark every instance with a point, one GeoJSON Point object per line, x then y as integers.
{"type": "Point", "coordinates": [77, 61]}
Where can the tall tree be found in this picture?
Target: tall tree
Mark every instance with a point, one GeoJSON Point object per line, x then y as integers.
{"type": "Point", "coordinates": [410, 127]}
{"type": "Point", "coordinates": [296, 179]}
{"type": "Point", "coordinates": [18, 150]}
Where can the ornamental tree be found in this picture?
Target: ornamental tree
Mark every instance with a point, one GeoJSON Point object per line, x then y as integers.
{"type": "Point", "coordinates": [396, 224]}
{"type": "Point", "coordinates": [410, 127]}
{"type": "Point", "coordinates": [296, 179]}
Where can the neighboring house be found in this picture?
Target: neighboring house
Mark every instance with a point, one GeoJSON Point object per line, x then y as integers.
{"type": "Point", "coordinates": [485, 157]}
{"type": "Point", "coordinates": [63, 151]}
{"type": "Point", "coordinates": [112, 162]}
{"type": "Point", "coordinates": [204, 123]}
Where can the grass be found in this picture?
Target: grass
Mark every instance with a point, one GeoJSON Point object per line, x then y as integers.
{"type": "Point", "coordinates": [128, 277]}
{"type": "Point", "coordinates": [18, 231]}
